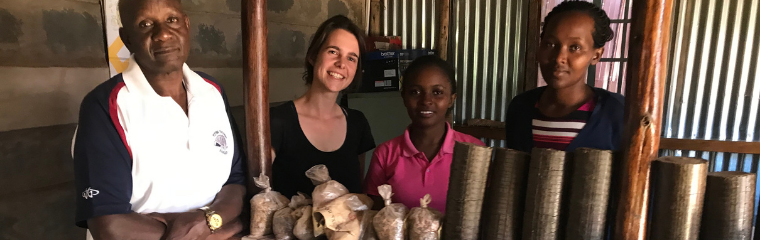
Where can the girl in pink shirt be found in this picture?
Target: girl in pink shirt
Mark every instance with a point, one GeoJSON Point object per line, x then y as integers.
{"type": "Point", "coordinates": [418, 162]}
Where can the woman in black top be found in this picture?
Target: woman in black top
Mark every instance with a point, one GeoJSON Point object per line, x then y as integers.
{"type": "Point", "coordinates": [314, 129]}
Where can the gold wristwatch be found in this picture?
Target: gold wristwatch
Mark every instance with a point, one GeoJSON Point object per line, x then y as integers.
{"type": "Point", "coordinates": [213, 220]}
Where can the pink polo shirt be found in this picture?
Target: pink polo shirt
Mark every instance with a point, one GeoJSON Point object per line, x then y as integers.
{"type": "Point", "coordinates": [398, 163]}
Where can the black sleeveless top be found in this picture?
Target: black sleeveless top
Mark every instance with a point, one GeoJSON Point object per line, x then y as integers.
{"type": "Point", "coordinates": [295, 154]}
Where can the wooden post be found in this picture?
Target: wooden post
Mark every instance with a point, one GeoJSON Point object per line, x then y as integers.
{"type": "Point", "coordinates": [374, 18]}
{"type": "Point", "coordinates": [256, 80]}
{"type": "Point", "coordinates": [530, 65]}
{"type": "Point", "coordinates": [444, 7]}
{"type": "Point", "coordinates": [645, 85]}
{"type": "Point", "coordinates": [442, 46]}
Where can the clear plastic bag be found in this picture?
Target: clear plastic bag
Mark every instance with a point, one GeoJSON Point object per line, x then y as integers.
{"type": "Point", "coordinates": [342, 216]}
{"type": "Point", "coordinates": [298, 201]}
{"type": "Point", "coordinates": [362, 222]}
{"type": "Point", "coordinates": [325, 191]}
{"type": "Point", "coordinates": [424, 223]}
{"type": "Point", "coordinates": [283, 223]}
{"type": "Point", "coordinates": [337, 213]}
{"type": "Point", "coordinates": [249, 237]}
{"type": "Point", "coordinates": [368, 231]}
{"type": "Point", "coordinates": [284, 220]}
{"type": "Point", "coordinates": [304, 228]}
{"type": "Point", "coordinates": [389, 222]}
{"type": "Point", "coordinates": [343, 235]}
{"type": "Point", "coordinates": [263, 207]}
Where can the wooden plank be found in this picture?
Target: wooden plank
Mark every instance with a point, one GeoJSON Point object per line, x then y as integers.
{"type": "Point", "coordinates": [444, 7]}
{"type": "Point", "coordinates": [665, 143]}
{"type": "Point", "coordinates": [530, 65]}
{"type": "Point", "coordinates": [648, 64]}
{"type": "Point", "coordinates": [483, 132]}
{"type": "Point", "coordinates": [256, 81]}
{"type": "Point", "coordinates": [374, 18]}
{"type": "Point", "coordinates": [710, 145]}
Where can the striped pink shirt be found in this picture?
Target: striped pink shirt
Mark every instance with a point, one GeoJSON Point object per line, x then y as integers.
{"type": "Point", "coordinates": [557, 133]}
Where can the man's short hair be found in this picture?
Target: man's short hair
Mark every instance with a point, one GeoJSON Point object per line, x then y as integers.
{"type": "Point", "coordinates": [124, 6]}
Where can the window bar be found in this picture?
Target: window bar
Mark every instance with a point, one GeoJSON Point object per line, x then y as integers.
{"type": "Point", "coordinates": [621, 20]}
{"type": "Point", "coordinates": [623, 53]}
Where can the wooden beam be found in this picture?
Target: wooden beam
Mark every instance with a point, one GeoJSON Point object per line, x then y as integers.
{"type": "Point", "coordinates": [374, 18]}
{"type": "Point", "coordinates": [710, 145]}
{"type": "Point", "coordinates": [645, 85]}
{"type": "Point", "coordinates": [530, 65]}
{"type": "Point", "coordinates": [256, 81]}
{"type": "Point", "coordinates": [444, 7]}
{"type": "Point", "coordinates": [483, 132]}
{"type": "Point", "coordinates": [665, 143]}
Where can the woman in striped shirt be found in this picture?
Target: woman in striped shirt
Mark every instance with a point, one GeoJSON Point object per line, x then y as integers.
{"type": "Point", "coordinates": [567, 113]}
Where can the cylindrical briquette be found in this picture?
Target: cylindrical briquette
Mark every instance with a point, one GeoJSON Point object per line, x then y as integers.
{"type": "Point", "coordinates": [505, 195]}
{"type": "Point", "coordinates": [543, 200]}
{"type": "Point", "coordinates": [589, 194]}
{"type": "Point", "coordinates": [729, 206]}
{"type": "Point", "coordinates": [678, 190]}
{"type": "Point", "coordinates": [467, 184]}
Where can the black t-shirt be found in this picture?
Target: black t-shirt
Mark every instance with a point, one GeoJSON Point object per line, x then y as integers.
{"type": "Point", "coordinates": [295, 154]}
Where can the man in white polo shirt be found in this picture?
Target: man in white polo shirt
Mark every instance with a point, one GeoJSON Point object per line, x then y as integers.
{"type": "Point", "coordinates": [156, 153]}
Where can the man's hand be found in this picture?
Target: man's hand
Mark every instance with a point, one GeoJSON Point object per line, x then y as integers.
{"type": "Point", "coordinates": [189, 225]}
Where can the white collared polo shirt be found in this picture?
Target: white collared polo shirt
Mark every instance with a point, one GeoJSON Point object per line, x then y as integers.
{"type": "Point", "coordinates": [136, 151]}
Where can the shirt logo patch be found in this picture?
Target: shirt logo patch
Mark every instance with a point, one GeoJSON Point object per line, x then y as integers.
{"type": "Point", "coordinates": [89, 193]}
{"type": "Point", "coordinates": [220, 140]}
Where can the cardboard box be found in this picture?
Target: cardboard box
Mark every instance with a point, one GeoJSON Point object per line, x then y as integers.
{"type": "Point", "coordinates": [406, 57]}
{"type": "Point", "coordinates": [381, 72]}
{"type": "Point", "coordinates": [383, 43]}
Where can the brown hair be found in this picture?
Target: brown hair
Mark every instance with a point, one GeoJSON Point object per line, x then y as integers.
{"type": "Point", "coordinates": [320, 37]}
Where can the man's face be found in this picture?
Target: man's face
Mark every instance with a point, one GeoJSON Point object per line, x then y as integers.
{"type": "Point", "coordinates": [157, 32]}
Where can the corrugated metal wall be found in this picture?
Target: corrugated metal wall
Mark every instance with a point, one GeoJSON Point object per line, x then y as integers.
{"type": "Point", "coordinates": [487, 44]}
{"type": "Point", "coordinates": [713, 89]}
{"type": "Point", "coordinates": [416, 21]}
